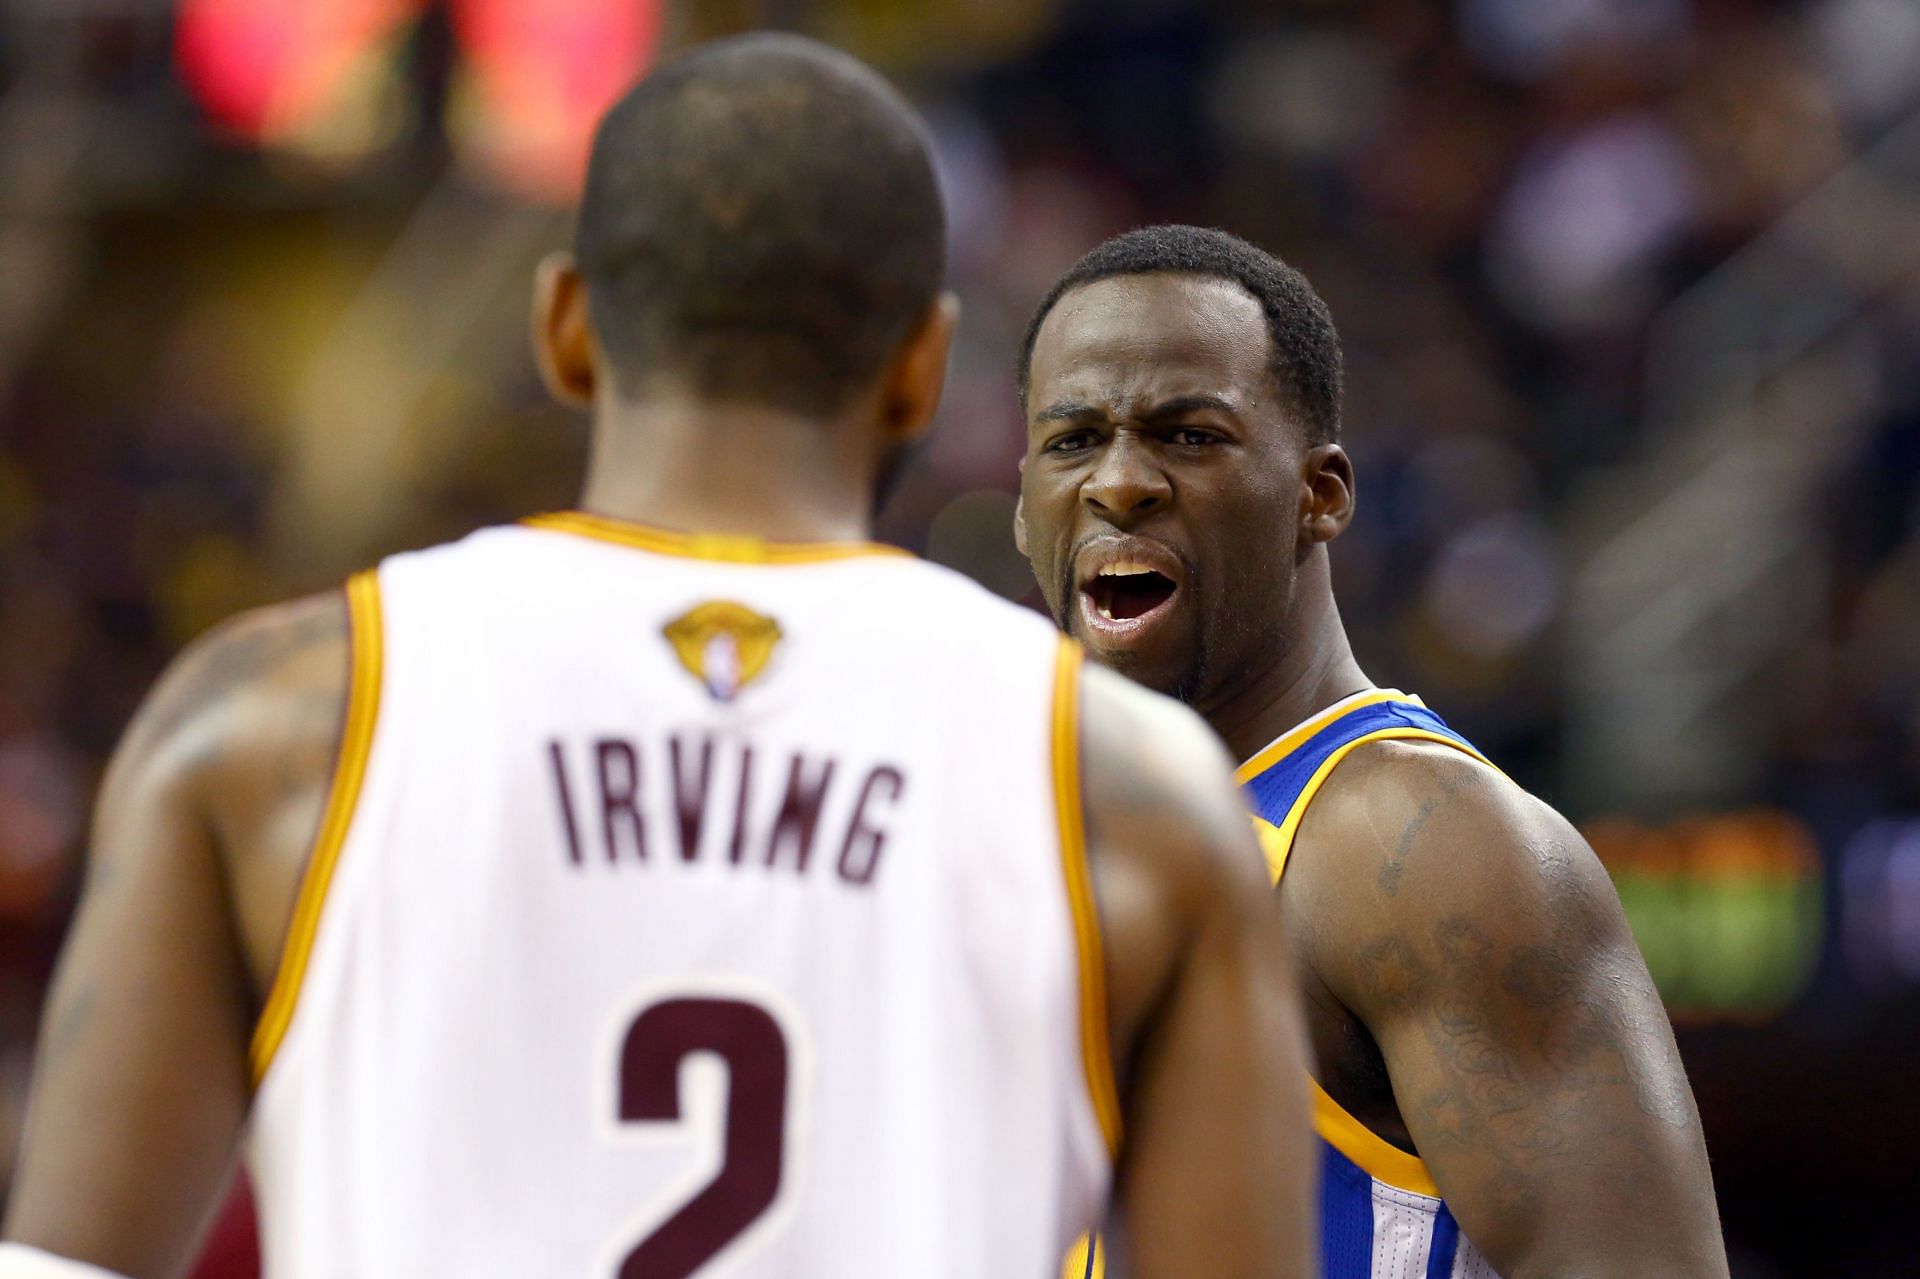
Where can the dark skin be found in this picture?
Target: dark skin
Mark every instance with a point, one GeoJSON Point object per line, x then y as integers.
{"type": "Point", "coordinates": [211, 806]}
{"type": "Point", "coordinates": [1474, 995]}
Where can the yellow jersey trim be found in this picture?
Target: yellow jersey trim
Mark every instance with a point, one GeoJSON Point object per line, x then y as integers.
{"type": "Point", "coordinates": [1085, 1260]}
{"type": "Point", "coordinates": [1271, 847]}
{"type": "Point", "coordinates": [1295, 737]}
{"type": "Point", "coordinates": [356, 742]}
{"type": "Point", "coordinates": [1095, 1047]}
{"type": "Point", "coordinates": [725, 548]}
{"type": "Point", "coordinates": [1279, 845]}
{"type": "Point", "coordinates": [1371, 1153]}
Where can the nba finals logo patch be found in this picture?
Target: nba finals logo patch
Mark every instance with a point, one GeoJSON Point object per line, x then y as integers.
{"type": "Point", "coordinates": [724, 645]}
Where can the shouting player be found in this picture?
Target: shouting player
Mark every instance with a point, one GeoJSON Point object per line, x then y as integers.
{"type": "Point", "coordinates": [694, 881]}
{"type": "Point", "coordinates": [1498, 1089]}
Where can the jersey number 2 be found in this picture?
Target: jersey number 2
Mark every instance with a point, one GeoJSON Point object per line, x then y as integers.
{"type": "Point", "coordinates": [748, 1039]}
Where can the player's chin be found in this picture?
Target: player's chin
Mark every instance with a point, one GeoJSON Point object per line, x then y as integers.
{"type": "Point", "coordinates": [1162, 660]}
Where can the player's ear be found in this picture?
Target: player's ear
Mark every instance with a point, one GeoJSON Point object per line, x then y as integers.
{"type": "Point", "coordinates": [910, 390]}
{"type": "Point", "coordinates": [1020, 517]}
{"type": "Point", "coordinates": [1327, 495]}
{"type": "Point", "coordinates": [562, 335]}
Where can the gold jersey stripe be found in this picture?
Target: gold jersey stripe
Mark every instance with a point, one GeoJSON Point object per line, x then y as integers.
{"type": "Point", "coordinates": [1085, 1260]}
{"type": "Point", "coordinates": [1371, 1153]}
{"type": "Point", "coordinates": [725, 548]}
{"type": "Point", "coordinates": [356, 740]}
{"type": "Point", "coordinates": [1279, 846]}
{"type": "Point", "coordinates": [1294, 738]}
{"type": "Point", "coordinates": [1095, 1048]}
{"type": "Point", "coordinates": [1272, 847]}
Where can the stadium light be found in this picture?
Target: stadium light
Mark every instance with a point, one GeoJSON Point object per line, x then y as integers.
{"type": "Point", "coordinates": [531, 76]}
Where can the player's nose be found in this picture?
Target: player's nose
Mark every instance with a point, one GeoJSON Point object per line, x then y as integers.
{"type": "Point", "coordinates": [1127, 483]}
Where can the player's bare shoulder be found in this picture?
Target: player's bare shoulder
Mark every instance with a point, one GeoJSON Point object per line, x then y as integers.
{"type": "Point", "coordinates": [234, 679]}
{"type": "Point", "coordinates": [1158, 786]}
{"type": "Point", "coordinates": [241, 733]}
{"type": "Point", "coordinates": [1406, 831]}
{"type": "Point", "coordinates": [199, 834]}
{"type": "Point", "coordinates": [1473, 932]}
{"type": "Point", "coordinates": [1454, 889]}
{"type": "Point", "coordinates": [1168, 838]}
{"type": "Point", "coordinates": [1201, 994]}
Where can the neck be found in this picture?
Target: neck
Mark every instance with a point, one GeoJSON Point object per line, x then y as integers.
{"type": "Point", "coordinates": [1310, 667]}
{"type": "Point", "coordinates": [737, 469]}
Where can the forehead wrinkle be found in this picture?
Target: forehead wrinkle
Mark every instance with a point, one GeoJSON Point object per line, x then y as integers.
{"type": "Point", "coordinates": [1139, 389]}
{"type": "Point", "coordinates": [1212, 331]}
{"type": "Point", "coordinates": [1143, 342]}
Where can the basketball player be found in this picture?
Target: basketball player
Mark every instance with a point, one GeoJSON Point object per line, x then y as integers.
{"type": "Point", "coordinates": [682, 902]}
{"type": "Point", "coordinates": [1498, 1089]}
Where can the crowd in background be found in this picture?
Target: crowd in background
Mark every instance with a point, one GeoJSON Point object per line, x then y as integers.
{"type": "Point", "coordinates": [1500, 200]}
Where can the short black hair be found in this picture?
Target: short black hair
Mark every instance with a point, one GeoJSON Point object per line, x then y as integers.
{"type": "Point", "coordinates": [761, 222]}
{"type": "Point", "coordinates": [1305, 345]}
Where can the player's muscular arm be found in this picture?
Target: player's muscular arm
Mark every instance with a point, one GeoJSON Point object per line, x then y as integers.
{"type": "Point", "coordinates": [1480, 941]}
{"type": "Point", "coordinates": [1216, 1175]}
{"type": "Point", "coordinates": [141, 1087]}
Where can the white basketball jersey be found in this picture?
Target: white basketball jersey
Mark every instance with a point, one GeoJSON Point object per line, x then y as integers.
{"type": "Point", "coordinates": [689, 906]}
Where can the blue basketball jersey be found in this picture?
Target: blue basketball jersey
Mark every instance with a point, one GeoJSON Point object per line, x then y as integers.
{"type": "Point", "coordinates": [1381, 1216]}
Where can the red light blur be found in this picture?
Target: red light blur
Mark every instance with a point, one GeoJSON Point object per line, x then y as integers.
{"type": "Point", "coordinates": [543, 72]}
{"type": "Point", "coordinates": [263, 68]}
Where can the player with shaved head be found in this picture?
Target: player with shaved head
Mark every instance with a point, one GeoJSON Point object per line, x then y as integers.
{"type": "Point", "coordinates": [1498, 1090]}
{"type": "Point", "coordinates": [683, 884]}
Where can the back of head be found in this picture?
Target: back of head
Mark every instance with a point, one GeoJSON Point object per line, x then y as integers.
{"type": "Point", "coordinates": [761, 224]}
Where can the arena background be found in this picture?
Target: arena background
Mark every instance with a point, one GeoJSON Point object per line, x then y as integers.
{"type": "Point", "coordinates": [1632, 320]}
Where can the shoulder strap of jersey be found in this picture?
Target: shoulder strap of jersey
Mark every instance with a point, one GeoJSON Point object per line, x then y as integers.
{"type": "Point", "coordinates": [367, 634]}
{"type": "Point", "coordinates": [1282, 779]}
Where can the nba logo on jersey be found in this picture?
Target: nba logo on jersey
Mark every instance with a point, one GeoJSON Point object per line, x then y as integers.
{"type": "Point", "coordinates": [724, 645]}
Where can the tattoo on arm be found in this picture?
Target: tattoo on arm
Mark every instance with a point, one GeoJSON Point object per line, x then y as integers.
{"type": "Point", "coordinates": [1396, 861]}
{"type": "Point", "coordinates": [1526, 1049]}
{"type": "Point", "coordinates": [246, 654]}
{"type": "Point", "coordinates": [1526, 1042]}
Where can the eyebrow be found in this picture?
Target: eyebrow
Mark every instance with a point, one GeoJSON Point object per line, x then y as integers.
{"type": "Point", "coordinates": [1181, 404]}
{"type": "Point", "coordinates": [1077, 411]}
{"type": "Point", "coordinates": [1068, 411]}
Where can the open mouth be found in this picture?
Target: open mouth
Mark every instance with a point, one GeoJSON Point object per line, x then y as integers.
{"type": "Point", "coordinates": [1126, 592]}
{"type": "Point", "coordinates": [1128, 589]}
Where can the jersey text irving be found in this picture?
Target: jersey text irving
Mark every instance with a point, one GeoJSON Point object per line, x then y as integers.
{"type": "Point", "coordinates": [693, 799]}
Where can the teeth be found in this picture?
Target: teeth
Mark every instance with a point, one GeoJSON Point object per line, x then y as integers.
{"type": "Point", "coordinates": [1124, 568]}
{"type": "Point", "coordinates": [1106, 612]}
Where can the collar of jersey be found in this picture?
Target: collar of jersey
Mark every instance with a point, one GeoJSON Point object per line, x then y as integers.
{"type": "Point", "coordinates": [724, 547]}
{"type": "Point", "coordinates": [1297, 736]}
